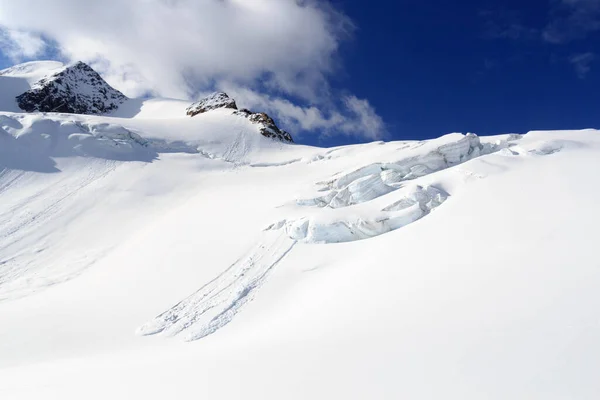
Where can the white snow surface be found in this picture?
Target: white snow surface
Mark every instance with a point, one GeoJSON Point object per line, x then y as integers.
{"type": "Point", "coordinates": [149, 255]}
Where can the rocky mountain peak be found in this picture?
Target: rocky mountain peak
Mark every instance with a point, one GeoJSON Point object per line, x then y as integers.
{"type": "Point", "coordinates": [76, 89]}
{"type": "Point", "coordinates": [211, 102]}
{"type": "Point", "coordinates": [268, 128]}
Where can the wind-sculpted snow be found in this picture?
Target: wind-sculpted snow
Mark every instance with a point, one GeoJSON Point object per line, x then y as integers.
{"type": "Point", "coordinates": [375, 180]}
{"type": "Point", "coordinates": [30, 142]}
{"type": "Point", "coordinates": [32, 70]}
{"type": "Point", "coordinates": [216, 303]}
{"type": "Point", "coordinates": [40, 137]}
{"type": "Point", "coordinates": [410, 204]}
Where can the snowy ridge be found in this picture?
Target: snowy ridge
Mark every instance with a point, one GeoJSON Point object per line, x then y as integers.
{"type": "Point", "coordinates": [220, 100]}
{"type": "Point", "coordinates": [374, 180]}
{"type": "Point", "coordinates": [32, 71]}
{"type": "Point", "coordinates": [30, 142]}
{"type": "Point", "coordinates": [266, 125]}
{"type": "Point", "coordinates": [211, 102]}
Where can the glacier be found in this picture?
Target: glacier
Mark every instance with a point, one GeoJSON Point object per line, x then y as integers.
{"type": "Point", "coordinates": [148, 254]}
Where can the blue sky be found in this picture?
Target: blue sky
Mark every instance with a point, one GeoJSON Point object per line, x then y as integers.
{"type": "Point", "coordinates": [432, 67]}
{"type": "Point", "coordinates": [426, 68]}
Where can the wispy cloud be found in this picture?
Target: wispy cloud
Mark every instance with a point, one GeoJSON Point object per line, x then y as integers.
{"type": "Point", "coordinates": [582, 63]}
{"type": "Point", "coordinates": [571, 20]}
{"type": "Point", "coordinates": [567, 20]}
{"type": "Point", "coordinates": [507, 24]}
{"type": "Point", "coordinates": [20, 45]}
{"type": "Point", "coordinates": [352, 116]}
{"type": "Point", "coordinates": [171, 42]}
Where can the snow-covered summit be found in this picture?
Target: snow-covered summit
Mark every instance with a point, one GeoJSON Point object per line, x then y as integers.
{"type": "Point", "coordinates": [32, 71]}
{"type": "Point", "coordinates": [76, 89]}
{"type": "Point", "coordinates": [50, 86]}
{"type": "Point", "coordinates": [211, 102]}
{"type": "Point", "coordinates": [217, 100]}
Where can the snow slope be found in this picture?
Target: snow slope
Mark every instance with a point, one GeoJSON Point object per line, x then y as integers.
{"type": "Point", "coordinates": [148, 254]}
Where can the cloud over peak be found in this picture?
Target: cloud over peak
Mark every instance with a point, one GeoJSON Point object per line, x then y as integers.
{"type": "Point", "coordinates": [176, 48]}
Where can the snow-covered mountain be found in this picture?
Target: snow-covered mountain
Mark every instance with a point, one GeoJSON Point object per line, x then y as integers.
{"type": "Point", "coordinates": [212, 102]}
{"type": "Point", "coordinates": [222, 100]}
{"type": "Point", "coordinates": [151, 253]}
{"type": "Point", "coordinates": [76, 89]}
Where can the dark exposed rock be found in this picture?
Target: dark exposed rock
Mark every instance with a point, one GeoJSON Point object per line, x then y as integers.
{"type": "Point", "coordinates": [77, 89]}
{"type": "Point", "coordinates": [267, 125]}
{"type": "Point", "coordinates": [216, 100]}
{"type": "Point", "coordinates": [212, 102]}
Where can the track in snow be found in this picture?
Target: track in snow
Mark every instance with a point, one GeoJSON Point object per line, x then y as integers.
{"type": "Point", "coordinates": [216, 303]}
{"type": "Point", "coordinates": [29, 220]}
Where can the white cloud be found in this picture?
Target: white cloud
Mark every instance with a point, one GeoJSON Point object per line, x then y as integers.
{"type": "Point", "coordinates": [169, 42]}
{"type": "Point", "coordinates": [355, 117]}
{"type": "Point", "coordinates": [176, 48]}
{"type": "Point", "coordinates": [582, 63]}
{"type": "Point", "coordinates": [571, 20]}
{"type": "Point", "coordinates": [366, 122]}
{"type": "Point", "coordinates": [19, 45]}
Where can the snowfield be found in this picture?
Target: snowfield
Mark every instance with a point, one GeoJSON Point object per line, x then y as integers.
{"type": "Point", "coordinates": [150, 255]}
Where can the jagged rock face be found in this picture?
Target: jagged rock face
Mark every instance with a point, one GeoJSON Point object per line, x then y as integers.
{"type": "Point", "coordinates": [77, 89]}
{"type": "Point", "coordinates": [212, 102]}
{"type": "Point", "coordinates": [267, 125]}
{"type": "Point", "coordinates": [222, 100]}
